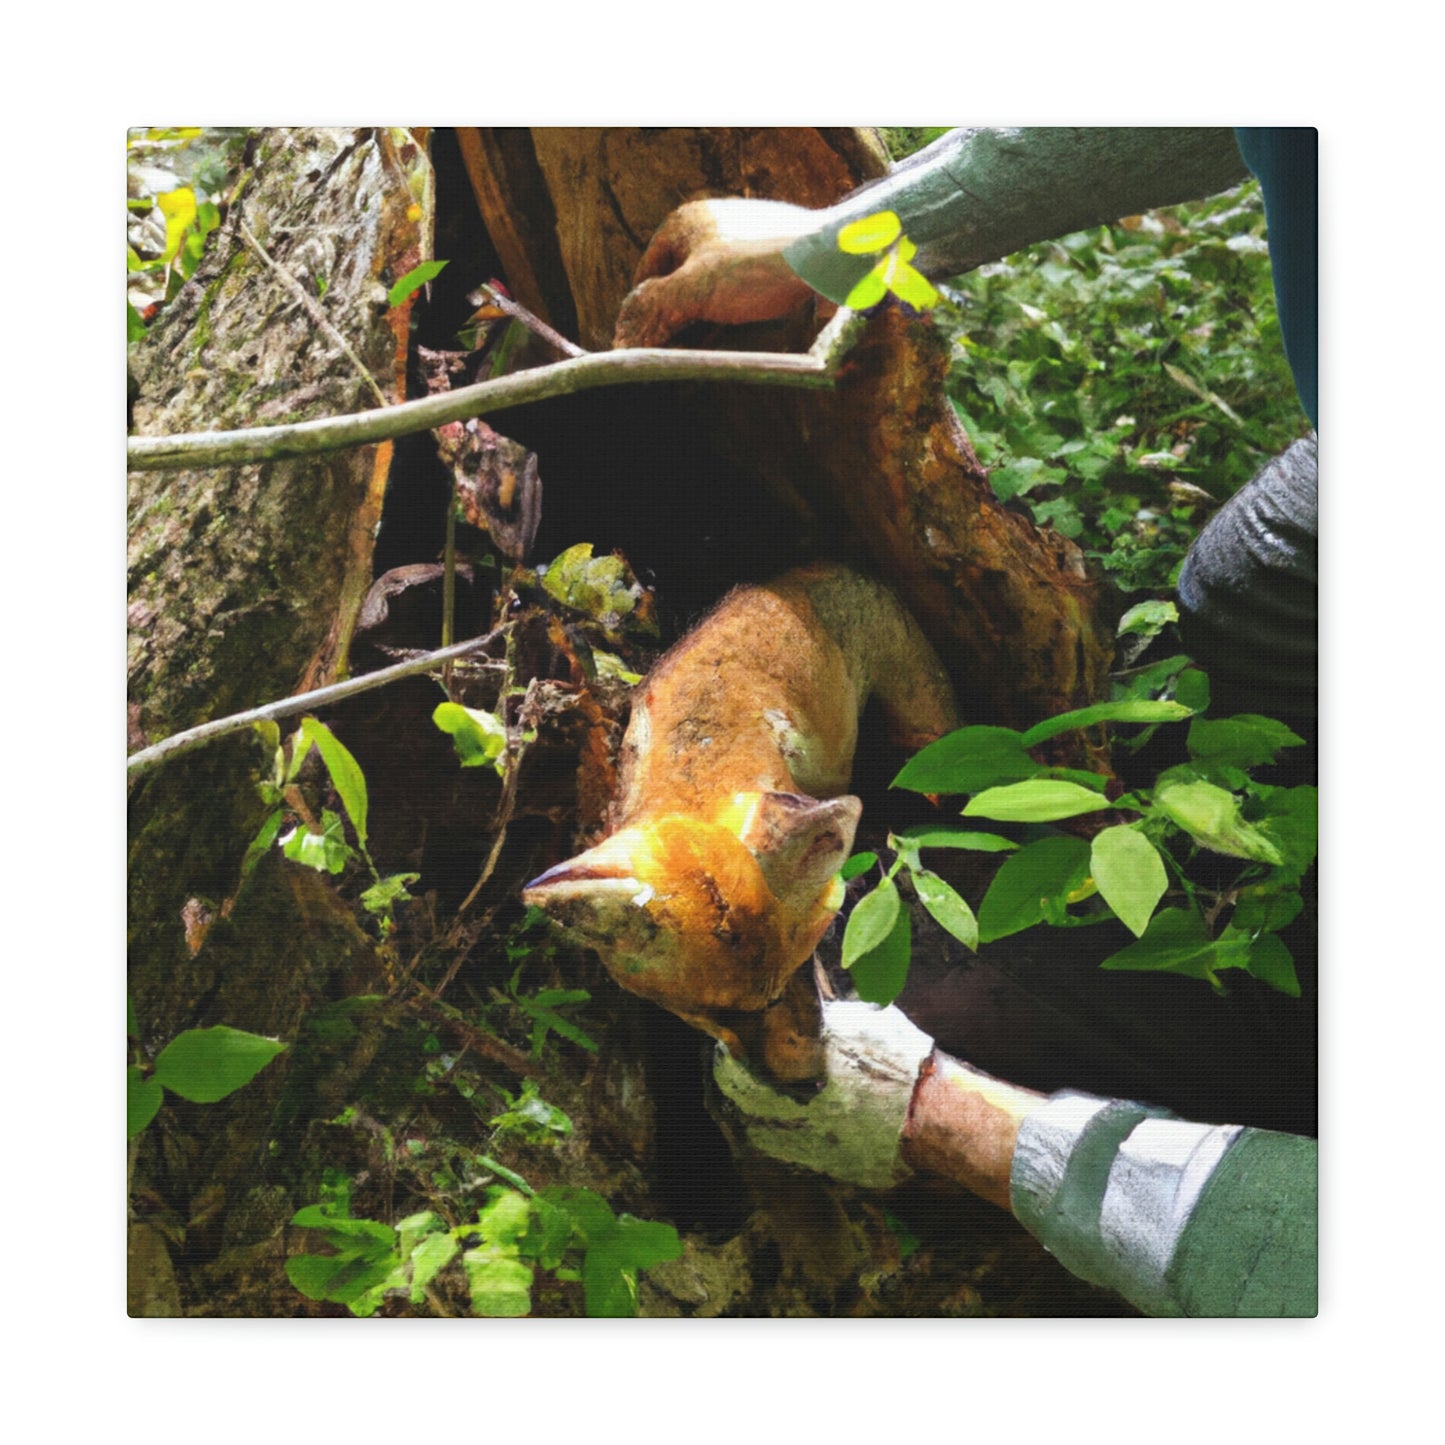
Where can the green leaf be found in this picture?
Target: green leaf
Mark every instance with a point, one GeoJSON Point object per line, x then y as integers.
{"type": "Point", "coordinates": [265, 837]}
{"type": "Point", "coordinates": [142, 1100]}
{"type": "Point", "coordinates": [414, 280]}
{"type": "Point", "coordinates": [613, 1258]}
{"type": "Point", "coordinates": [1022, 476]}
{"type": "Point", "coordinates": [300, 750]}
{"type": "Point", "coordinates": [1049, 869]}
{"type": "Point", "coordinates": [551, 997]}
{"type": "Point", "coordinates": [1290, 818]}
{"type": "Point", "coordinates": [352, 1237]}
{"type": "Point", "coordinates": [906, 1240]}
{"type": "Point", "coordinates": [968, 760]}
{"type": "Point", "coordinates": [858, 863]}
{"type": "Point", "coordinates": [428, 1259]}
{"type": "Point", "coordinates": [381, 895]}
{"type": "Point", "coordinates": [1147, 619]}
{"type": "Point", "coordinates": [645, 1242]}
{"type": "Point", "coordinates": [500, 1284]}
{"type": "Point", "coordinates": [504, 1218]}
{"type": "Point", "coordinates": [341, 1278]}
{"type": "Point", "coordinates": [879, 975]}
{"type": "Point", "coordinates": [548, 1018]}
{"type": "Point", "coordinates": [416, 1227]}
{"type": "Point", "coordinates": [1245, 741]}
{"type": "Point", "coordinates": [609, 1287]}
{"type": "Point", "coordinates": [552, 1235]}
{"type": "Point", "coordinates": [1192, 690]}
{"type": "Point", "coordinates": [1039, 800]}
{"type": "Point", "coordinates": [871, 234]}
{"type": "Point", "coordinates": [326, 851]}
{"type": "Point", "coordinates": [947, 908]}
{"type": "Point", "coordinates": [1130, 874]}
{"type": "Point", "coordinates": [1177, 941]}
{"type": "Point", "coordinates": [204, 1065]}
{"type": "Point", "coordinates": [1262, 909]}
{"type": "Point", "coordinates": [1158, 675]}
{"type": "Point", "coordinates": [1126, 710]}
{"type": "Point", "coordinates": [478, 737]}
{"type": "Point", "coordinates": [135, 327]}
{"type": "Point", "coordinates": [1212, 818]}
{"type": "Point", "coordinates": [502, 1172]}
{"type": "Point", "coordinates": [590, 1213]}
{"type": "Point", "coordinates": [599, 586]}
{"type": "Point", "coordinates": [935, 835]}
{"type": "Point", "coordinates": [870, 922]}
{"type": "Point", "coordinates": [1271, 962]}
{"type": "Point", "coordinates": [346, 775]}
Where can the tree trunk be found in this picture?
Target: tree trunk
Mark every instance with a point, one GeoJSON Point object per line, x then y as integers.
{"type": "Point", "coordinates": [244, 586]}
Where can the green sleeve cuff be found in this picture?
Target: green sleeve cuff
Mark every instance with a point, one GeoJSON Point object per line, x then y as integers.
{"type": "Point", "coordinates": [1179, 1218]}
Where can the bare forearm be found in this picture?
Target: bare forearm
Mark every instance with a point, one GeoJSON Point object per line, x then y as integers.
{"type": "Point", "coordinates": [963, 1125]}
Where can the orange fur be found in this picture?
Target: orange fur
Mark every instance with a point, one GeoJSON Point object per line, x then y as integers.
{"type": "Point", "coordinates": [729, 827]}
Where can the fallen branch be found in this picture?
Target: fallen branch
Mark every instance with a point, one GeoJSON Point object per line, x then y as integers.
{"type": "Point", "coordinates": [817, 369]}
{"type": "Point", "coordinates": [183, 742]}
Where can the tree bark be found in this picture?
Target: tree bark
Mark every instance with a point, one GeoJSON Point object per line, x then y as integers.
{"type": "Point", "coordinates": [244, 586]}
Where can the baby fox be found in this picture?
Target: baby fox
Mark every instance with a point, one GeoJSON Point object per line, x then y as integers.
{"type": "Point", "coordinates": [730, 823]}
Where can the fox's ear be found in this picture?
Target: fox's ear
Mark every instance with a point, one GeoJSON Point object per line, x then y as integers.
{"type": "Point", "coordinates": [799, 842]}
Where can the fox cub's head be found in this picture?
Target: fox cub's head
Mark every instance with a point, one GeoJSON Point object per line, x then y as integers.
{"type": "Point", "coordinates": [705, 915]}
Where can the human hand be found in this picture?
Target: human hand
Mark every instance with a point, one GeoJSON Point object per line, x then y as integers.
{"type": "Point", "coordinates": [890, 1104]}
{"type": "Point", "coordinates": [852, 1128]}
{"type": "Point", "coordinates": [719, 261]}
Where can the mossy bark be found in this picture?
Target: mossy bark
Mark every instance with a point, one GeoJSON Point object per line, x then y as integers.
{"type": "Point", "coordinates": [244, 587]}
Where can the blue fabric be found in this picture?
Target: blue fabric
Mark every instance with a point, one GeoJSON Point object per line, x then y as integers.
{"type": "Point", "coordinates": [1286, 160]}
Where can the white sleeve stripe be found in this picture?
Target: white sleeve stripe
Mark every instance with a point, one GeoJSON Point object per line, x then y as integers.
{"type": "Point", "coordinates": [1046, 1143]}
{"type": "Point", "coordinates": [1157, 1179]}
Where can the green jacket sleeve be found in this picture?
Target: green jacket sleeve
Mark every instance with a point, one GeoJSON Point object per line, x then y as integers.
{"type": "Point", "coordinates": [976, 195]}
{"type": "Point", "coordinates": [1179, 1218]}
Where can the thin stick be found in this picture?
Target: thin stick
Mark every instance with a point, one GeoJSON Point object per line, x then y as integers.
{"type": "Point", "coordinates": [561, 378]}
{"type": "Point", "coordinates": [183, 742]}
{"type": "Point", "coordinates": [493, 297]}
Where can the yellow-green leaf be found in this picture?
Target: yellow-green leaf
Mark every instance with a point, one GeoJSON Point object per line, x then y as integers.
{"type": "Point", "coordinates": [179, 209]}
{"type": "Point", "coordinates": [1211, 816]}
{"type": "Point", "coordinates": [1039, 800]}
{"type": "Point", "coordinates": [1130, 874]}
{"type": "Point", "coordinates": [346, 775]}
{"type": "Point", "coordinates": [869, 291]}
{"type": "Point", "coordinates": [870, 235]}
{"type": "Point", "coordinates": [915, 288]}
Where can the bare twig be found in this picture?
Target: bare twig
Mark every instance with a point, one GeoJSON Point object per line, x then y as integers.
{"type": "Point", "coordinates": [308, 303]}
{"type": "Point", "coordinates": [478, 1039]}
{"type": "Point", "coordinates": [196, 737]}
{"type": "Point", "coordinates": [491, 296]}
{"type": "Point", "coordinates": [563, 378]}
{"type": "Point", "coordinates": [516, 748]}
